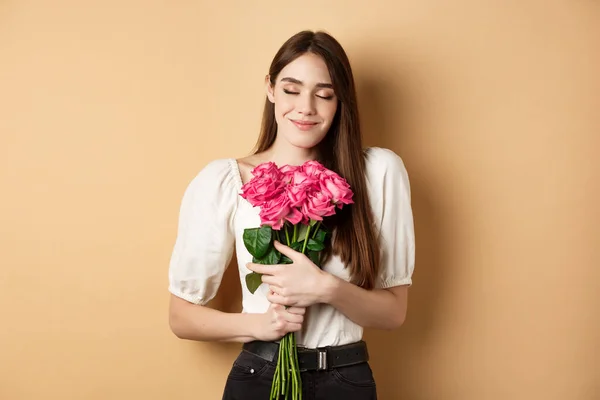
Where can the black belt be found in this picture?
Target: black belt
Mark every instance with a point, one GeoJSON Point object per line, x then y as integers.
{"type": "Point", "coordinates": [319, 359]}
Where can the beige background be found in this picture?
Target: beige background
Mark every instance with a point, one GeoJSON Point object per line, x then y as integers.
{"type": "Point", "coordinates": [109, 108]}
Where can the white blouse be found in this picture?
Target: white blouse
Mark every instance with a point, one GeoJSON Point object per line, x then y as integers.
{"type": "Point", "coordinates": [213, 217]}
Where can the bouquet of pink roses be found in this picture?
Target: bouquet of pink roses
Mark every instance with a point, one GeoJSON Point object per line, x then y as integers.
{"type": "Point", "coordinates": [293, 201]}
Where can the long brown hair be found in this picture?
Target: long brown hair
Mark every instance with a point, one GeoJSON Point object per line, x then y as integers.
{"type": "Point", "coordinates": [341, 151]}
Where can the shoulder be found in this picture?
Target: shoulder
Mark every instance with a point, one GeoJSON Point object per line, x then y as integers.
{"type": "Point", "coordinates": [381, 162]}
{"type": "Point", "coordinates": [218, 176]}
{"type": "Point", "coordinates": [245, 166]}
{"type": "Point", "coordinates": [387, 177]}
{"type": "Point", "coordinates": [220, 167]}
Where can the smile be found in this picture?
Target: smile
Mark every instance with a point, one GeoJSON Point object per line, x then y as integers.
{"type": "Point", "coordinates": [304, 125]}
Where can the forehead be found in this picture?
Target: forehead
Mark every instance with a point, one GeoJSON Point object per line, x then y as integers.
{"type": "Point", "coordinates": [308, 68]}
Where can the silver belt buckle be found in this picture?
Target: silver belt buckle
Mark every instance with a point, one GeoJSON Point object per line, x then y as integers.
{"type": "Point", "coordinates": [322, 360]}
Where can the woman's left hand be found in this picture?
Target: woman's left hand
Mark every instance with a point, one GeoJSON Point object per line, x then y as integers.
{"type": "Point", "coordinates": [299, 284]}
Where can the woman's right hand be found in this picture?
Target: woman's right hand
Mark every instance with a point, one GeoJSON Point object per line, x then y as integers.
{"type": "Point", "coordinates": [277, 322]}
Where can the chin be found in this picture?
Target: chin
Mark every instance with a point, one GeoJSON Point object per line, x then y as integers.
{"type": "Point", "coordinates": [304, 141]}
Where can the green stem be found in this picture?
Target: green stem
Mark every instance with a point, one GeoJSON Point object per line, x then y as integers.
{"type": "Point", "coordinates": [287, 235]}
{"type": "Point", "coordinates": [279, 362]}
{"type": "Point", "coordinates": [295, 372]}
{"type": "Point", "coordinates": [297, 364]}
{"type": "Point", "coordinates": [316, 229]}
{"type": "Point", "coordinates": [282, 355]}
{"type": "Point", "coordinates": [292, 369]}
{"type": "Point", "coordinates": [274, 385]}
{"type": "Point", "coordinates": [306, 239]}
{"type": "Point", "coordinates": [287, 379]}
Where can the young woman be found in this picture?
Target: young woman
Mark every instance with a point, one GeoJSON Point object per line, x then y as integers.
{"type": "Point", "coordinates": [310, 114]}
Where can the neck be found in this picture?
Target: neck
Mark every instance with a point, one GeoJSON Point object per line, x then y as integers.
{"type": "Point", "coordinates": [284, 153]}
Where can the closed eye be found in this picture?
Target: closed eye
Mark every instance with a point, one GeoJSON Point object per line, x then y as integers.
{"type": "Point", "coordinates": [286, 91]}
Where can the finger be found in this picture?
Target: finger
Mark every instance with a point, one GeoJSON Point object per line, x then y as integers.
{"type": "Point", "coordinates": [271, 280]}
{"type": "Point", "coordinates": [294, 318]}
{"type": "Point", "coordinates": [278, 299]}
{"type": "Point", "coordinates": [293, 327]}
{"type": "Point", "coordinates": [297, 310]}
{"type": "Point", "coordinates": [287, 251]}
{"type": "Point", "coordinates": [275, 290]}
{"type": "Point", "coordinates": [262, 269]}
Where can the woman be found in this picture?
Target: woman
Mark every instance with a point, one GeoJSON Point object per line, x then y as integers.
{"type": "Point", "coordinates": [310, 114]}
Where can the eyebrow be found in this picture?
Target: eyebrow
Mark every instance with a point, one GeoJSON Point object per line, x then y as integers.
{"type": "Point", "coordinates": [296, 81]}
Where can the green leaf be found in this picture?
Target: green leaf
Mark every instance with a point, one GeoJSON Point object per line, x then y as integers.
{"type": "Point", "coordinates": [285, 260]}
{"type": "Point", "coordinates": [321, 235]}
{"type": "Point", "coordinates": [297, 246]}
{"type": "Point", "coordinates": [302, 232]}
{"type": "Point", "coordinates": [253, 281]}
{"type": "Point", "coordinates": [258, 240]}
{"type": "Point", "coordinates": [315, 245]}
{"type": "Point", "coordinates": [313, 222]}
{"type": "Point", "coordinates": [281, 236]}
{"type": "Point", "coordinates": [314, 256]}
{"type": "Point", "coordinates": [271, 258]}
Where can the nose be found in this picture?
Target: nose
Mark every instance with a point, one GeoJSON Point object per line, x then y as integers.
{"type": "Point", "coordinates": [306, 105]}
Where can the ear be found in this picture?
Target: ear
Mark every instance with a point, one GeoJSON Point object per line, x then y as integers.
{"type": "Point", "coordinates": [269, 89]}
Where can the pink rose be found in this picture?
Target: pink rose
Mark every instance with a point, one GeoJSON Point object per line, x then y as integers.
{"type": "Point", "coordinates": [276, 211]}
{"type": "Point", "coordinates": [288, 172]}
{"type": "Point", "coordinates": [296, 194]}
{"type": "Point", "coordinates": [266, 184]}
{"type": "Point", "coordinates": [266, 169]}
{"type": "Point", "coordinates": [294, 216]}
{"type": "Point", "coordinates": [305, 182]}
{"type": "Point", "coordinates": [313, 168]}
{"type": "Point", "coordinates": [337, 188]}
{"type": "Point", "coordinates": [260, 190]}
{"type": "Point", "coordinates": [286, 169]}
{"type": "Point", "coordinates": [317, 206]}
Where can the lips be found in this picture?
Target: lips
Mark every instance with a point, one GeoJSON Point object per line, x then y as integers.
{"type": "Point", "coordinates": [304, 125]}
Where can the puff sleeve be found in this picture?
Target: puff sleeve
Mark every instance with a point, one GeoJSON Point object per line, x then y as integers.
{"type": "Point", "coordinates": [205, 236]}
{"type": "Point", "coordinates": [391, 202]}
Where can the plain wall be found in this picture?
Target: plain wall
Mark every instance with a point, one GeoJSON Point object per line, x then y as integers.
{"type": "Point", "coordinates": [109, 108]}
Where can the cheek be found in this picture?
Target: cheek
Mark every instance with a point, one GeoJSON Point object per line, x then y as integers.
{"type": "Point", "coordinates": [328, 111]}
{"type": "Point", "coordinates": [283, 106]}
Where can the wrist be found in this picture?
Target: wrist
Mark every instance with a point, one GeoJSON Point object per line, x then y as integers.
{"type": "Point", "coordinates": [253, 325]}
{"type": "Point", "coordinates": [329, 287]}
